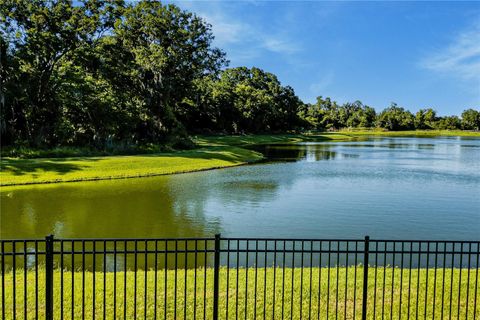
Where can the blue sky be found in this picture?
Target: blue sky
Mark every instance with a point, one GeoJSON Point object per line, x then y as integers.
{"type": "Point", "coordinates": [417, 54]}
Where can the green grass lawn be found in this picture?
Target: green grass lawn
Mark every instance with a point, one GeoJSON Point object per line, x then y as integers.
{"type": "Point", "coordinates": [245, 140]}
{"type": "Point", "coordinates": [307, 300]}
{"type": "Point", "coordinates": [212, 152]}
{"type": "Point", "coordinates": [49, 170]}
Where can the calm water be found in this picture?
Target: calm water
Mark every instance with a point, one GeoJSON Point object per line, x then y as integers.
{"type": "Point", "coordinates": [385, 187]}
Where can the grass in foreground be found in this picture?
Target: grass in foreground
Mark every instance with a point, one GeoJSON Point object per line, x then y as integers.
{"type": "Point", "coordinates": [386, 295]}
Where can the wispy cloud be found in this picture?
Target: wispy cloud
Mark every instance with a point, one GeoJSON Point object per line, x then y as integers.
{"type": "Point", "coordinates": [241, 39]}
{"type": "Point", "coordinates": [225, 30]}
{"type": "Point", "coordinates": [275, 44]}
{"type": "Point", "coordinates": [320, 87]}
{"type": "Point", "coordinates": [322, 84]}
{"type": "Point", "coordinates": [461, 58]}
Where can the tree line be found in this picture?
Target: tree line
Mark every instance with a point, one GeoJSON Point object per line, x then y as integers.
{"type": "Point", "coordinates": [326, 114]}
{"type": "Point", "coordinates": [100, 73]}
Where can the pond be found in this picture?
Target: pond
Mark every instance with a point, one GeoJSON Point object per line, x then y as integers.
{"type": "Point", "coordinates": [396, 188]}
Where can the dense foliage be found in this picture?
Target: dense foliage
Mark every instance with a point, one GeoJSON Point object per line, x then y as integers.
{"type": "Point", "coordinates": [326, 114]}
{"type": "Point", "coordinates": [242, 100]}
{"type": "Point", "coordinates": [104, 73]}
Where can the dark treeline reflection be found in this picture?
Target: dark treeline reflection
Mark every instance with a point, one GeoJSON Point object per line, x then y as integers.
{"type": "Point", "coordinates": [127, 208]}
{"type": "Point", "coordinates": [294, 153]}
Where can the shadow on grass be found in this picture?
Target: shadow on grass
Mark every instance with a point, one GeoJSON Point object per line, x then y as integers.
{"type": "Point", "coordinates": [36, 166]}
{"type": "Point", "coordinates": [233, 149]}
{"type": "Point", "coordinates": [223, 153]}
{"type": "Point", "coordinates": [244, 140]}
{"type": "Point", "coordinates": [41, 166]}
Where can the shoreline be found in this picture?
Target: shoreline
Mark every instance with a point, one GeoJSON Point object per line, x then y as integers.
{"type": "Point", "coordinates": [212, 152]}
{"type": "Point", "coordinates": [148, 175]}
{"type": "Point", "coordinates": [47, 171]}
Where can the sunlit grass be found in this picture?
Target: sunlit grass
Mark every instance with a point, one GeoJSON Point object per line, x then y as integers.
{"type": "Point", "coordinates": [212, 152]}
{"type": "Point", "coordinates": [28, 171]}
{"type": "Point", "coordinates": [249, 139]}
{"type": "Point", "coordinates": [273, 296]}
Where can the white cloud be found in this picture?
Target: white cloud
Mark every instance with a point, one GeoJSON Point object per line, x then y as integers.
{"type": "Point", "coordinates": [239, 38]}
{"type": "Point", "coordinates": [320, 87]}
{"type": "Point", "coordinates": [461, 58]}
{"type": "Point", "coordinates": [225, 30]}
{"type": "Point", "coordinates": [322, 84]}
{"type": "Point", "coordinates": [278, 45]}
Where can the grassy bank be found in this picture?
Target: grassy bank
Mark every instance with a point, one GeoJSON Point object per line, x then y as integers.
{"type": "Point", "coordinates": [49, 170]}
{"type": "Point", "coordinates": [315, 298]}
{"type": "Point", "coordinates": [245, 140]}
{"type": "Point", "coordinates": [211, 152]}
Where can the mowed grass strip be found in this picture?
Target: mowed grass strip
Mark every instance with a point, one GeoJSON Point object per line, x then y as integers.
{"type": "Point", "coordinates": [49, 170]}
{"type": "Point", "coordinates": [313, 293]}
{"type": "Point", "coordinates": [252, 139]}
{"type": "Point", "coordinates": [213, 152]}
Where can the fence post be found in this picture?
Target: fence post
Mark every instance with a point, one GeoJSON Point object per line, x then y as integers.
{"type": "Point", "coordinates": [49, 277]}
{"type": "Point", "coordinates": [365, 277]}
{"type": "Point", "coordinates": [216, 270]}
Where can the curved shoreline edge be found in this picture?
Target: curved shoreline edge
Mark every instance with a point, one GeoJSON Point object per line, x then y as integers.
{"type": "Point", "coordinates": [213, 152]}
{"type": "Point", "coordinates": [121, 177]}
{"type": "Point", "coordinates": [21, 172]}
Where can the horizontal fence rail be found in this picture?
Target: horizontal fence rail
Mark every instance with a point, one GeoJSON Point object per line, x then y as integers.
{"type": "Point", "coordinates": [239, 278]}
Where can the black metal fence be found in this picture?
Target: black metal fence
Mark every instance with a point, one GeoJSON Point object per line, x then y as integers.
{"type": "Point", "coordinates": [239, 278]}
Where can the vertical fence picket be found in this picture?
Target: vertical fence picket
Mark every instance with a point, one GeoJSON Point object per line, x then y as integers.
{"type": "Point", "coordinates": [48, 277]}
{"type": "Point", "coordinates": [365, 277]}
{"type": "Point", "coordinates": [216, 272]}
{"type": "Point", "coordinates": [3, 280]}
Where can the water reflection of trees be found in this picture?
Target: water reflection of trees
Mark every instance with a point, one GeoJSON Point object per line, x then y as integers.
{"type": "Point", "coordinates": [308, 152]}
{"type": "Point", "coordinates": [281, 152]}
{"type": "Point", "coordinates": [111, 255]}
{"type": "Point", "coordinates": [122, 208]}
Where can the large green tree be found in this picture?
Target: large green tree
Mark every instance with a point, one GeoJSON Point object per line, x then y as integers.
{"type": "Point", "coordinates": [425, 119]}
{"type": "Point", "coordinates": [96, 72]}
{"type": "Point", "coordinates": [326, 114]}
{"type": "Point", "coordinates": [252, 100]}
{"type": "Point", "coordinates": [471, 119]}
{"type": "Point", "coordinates": [357, 114]}
{"type": "Point", "coordinates": [39, 38]}
{"type": "Point", "coordinates": [170, 48]}
{"type": "Point", "coordinates": [448, 123]}
{"type": "Point", "coordinates": [395, 118]}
